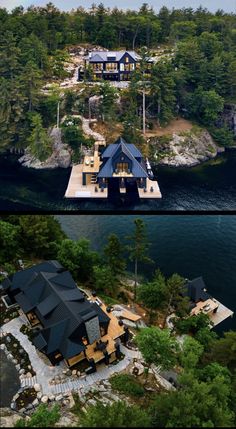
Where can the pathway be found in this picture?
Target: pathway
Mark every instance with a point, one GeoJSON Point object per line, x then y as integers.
{"type": "Point", "coordinates": [45, 372]}
{"type": "Point", "coordinates": [86, 128]}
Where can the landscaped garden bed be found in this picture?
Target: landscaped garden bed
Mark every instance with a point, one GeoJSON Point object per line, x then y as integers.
{"type": "Point", "coordinates": [27, 330]}
{"type": "Point", "coordinates": [25, 398]}
{"type": "Point", "coordinates": [7, 314]}
{"type": "Point", "coordinates": [17, 354]}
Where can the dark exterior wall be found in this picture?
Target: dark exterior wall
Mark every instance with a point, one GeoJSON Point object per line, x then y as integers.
{"type": "Point", "coordinates": [101, 183]}
{"type": "Point", "coordinates": [119, 159]}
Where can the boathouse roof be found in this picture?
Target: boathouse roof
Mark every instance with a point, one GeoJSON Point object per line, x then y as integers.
{"type": "Point", "coordinates": [196, 290]}
{"type": "Point", "coordinates": [138, 167]}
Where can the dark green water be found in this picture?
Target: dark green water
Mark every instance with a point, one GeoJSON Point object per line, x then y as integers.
{"type": "Point", "coordinates": [9, 380]}
{"type": "Point", "coordinates": [211, 186]}
{"type": "Point", "coordinates": [190, 245]}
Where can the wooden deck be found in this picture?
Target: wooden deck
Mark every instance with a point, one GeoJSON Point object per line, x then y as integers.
{"type": "Point", "coordinates": [148, 194]}
{"type": "Point", "coordinates": [222, 314]}
{"type": "Point", "coordinates": [114, 332]}
{"type": "Point", "coordinates": [76, 189]}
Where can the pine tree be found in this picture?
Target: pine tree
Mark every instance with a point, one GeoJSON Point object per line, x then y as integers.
{"type": "Point", "coordinates": [40, 144]}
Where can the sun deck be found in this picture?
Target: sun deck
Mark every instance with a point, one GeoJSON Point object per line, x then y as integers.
{"type": "Point", "coordinates": [156, 193]}
{"type": "Point", "coordinates": [222, 313]}
{"type": "Point", "coordinates": [76, 189]}
{"type": "Point", "coordinates": [114, 332]}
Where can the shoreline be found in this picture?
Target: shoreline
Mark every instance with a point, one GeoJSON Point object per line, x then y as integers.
{"type": "Point", "coordinates": [155, 164]}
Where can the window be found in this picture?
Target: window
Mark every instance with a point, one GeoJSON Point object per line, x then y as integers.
{"type": "Point", "coordinates": [122, 167]}
{"type": "Point", "coordinates": [126, 59]}
{"type": "Point", "coordinates": [111, 67]}
{"type": "Point", "coordinates": [97, 66]}
{"type": "Point", "coordinates": [129, 67]}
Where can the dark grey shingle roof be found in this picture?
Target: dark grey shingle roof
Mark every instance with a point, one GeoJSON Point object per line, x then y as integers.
{"type": "Point", "coordinates": [97, 56]}
{"type": "Point", "coordinates": [133, 154]}
{"type": "Point", "coordinates": [61, 308]}
{"type": "Point", "coordinates": [194, 289]}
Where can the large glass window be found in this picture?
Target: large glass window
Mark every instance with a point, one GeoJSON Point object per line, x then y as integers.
{"type": "Point", "coordinates": [97, 66]}
{"type": "Point", "coordinates": [122, 167]}
{"type": "Point", "coordinates": [129, 67]}
{"type": "Point", "coordinates": [111, 66]}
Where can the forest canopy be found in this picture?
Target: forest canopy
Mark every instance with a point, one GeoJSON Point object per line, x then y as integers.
{"type": "Point", "coordinates": [198, 80]}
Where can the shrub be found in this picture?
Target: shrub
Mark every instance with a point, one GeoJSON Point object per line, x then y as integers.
{"type": "Point", "coordinates": [128, 384]}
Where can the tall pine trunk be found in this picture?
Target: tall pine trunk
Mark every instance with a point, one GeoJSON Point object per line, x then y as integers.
{"type": "Point", "coordinates": [135, 278]}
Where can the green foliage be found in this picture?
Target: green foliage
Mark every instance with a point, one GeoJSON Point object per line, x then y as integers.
{"type": "Point", "coordinates": [153, 294]}
{"type": "Point", "coordinates": [78, 258]}
{"type": "Point", "coordinates": [48, 108]}
{"type": "Point", "coordinates": [40, 234]}
{"type": "Point", "coordinates": [196, 404]}
{"type": "Point", "coordinates": [192, 324]}
{"type": "Point", "coordinates": [127, 384]}
{"type": "Point", "coordinates": [42, 417]}
{"type": "Point", "coordinates": [40, 144]}
{"type": "Point", "coordinates": [9, 239]}
{"type": "Point", "coordinates": [138, 248]}
{"type": "Point", "coordinates": [113, 254]}
{"type": "Point", "coordinates": [222, 136]}
{"type": "Point", "coordinates": [73, 135]}
{"type": "Point", "coordinates": [118, 414]}
{"type": "Point", "coordinates": [104, 280]}
{"type": "Point", "coordinates": [223, 350]}
{"type": "Point", "coordinates": [191, 353]}
{"type": "Point", "coordinates": [108, 101]}
{"type": "Point", "coordinates": [34, 49]}
{"type": "Point", "coordinates": [29, 235]}
{"type": "Point", "coordinates": [157, 346]}
{"type": "Point", "coordinates": [205, 105]}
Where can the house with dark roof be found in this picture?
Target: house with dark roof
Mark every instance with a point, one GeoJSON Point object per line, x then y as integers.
{"type": "Point", "coordinates": [67, 324]}
{"type": "Point", "coordinates": [112, 65]}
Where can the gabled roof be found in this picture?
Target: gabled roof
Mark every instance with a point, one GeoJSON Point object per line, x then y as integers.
{"type": "Point", "coordinates": [194, 289]}
{"type": "Point", "coordinates": [97, 56]}
{"type": "Point", "coordinates": [59, 305]}
{"type": "Point", "coordinates": [133, 154]}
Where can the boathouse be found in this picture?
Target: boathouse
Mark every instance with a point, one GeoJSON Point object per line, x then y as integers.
{"type": "Point", "coordinates": [67, 324]}
{"type": "Point", "coordinates": [119, 166]}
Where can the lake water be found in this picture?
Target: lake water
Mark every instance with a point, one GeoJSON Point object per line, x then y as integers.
{"type": "Point", "coordinates": [9, 380]}
{"type": "Point", "coordinates": [191, 245]}
{"type": "Point", "coordinates": [211, 186]}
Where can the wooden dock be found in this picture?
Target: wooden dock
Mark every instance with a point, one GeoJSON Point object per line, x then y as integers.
{"type": "Point", "coordinates": [148, 194]}
{"type": "Point", "coordinates": [222, 313]}
{"type": "Point", "coordinates": [76, 189]}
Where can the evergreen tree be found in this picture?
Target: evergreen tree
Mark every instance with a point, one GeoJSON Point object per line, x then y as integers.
{"type": "Point", "coordinates": [40, 144]}
{"type": "Point", "coordinates": [138, 249]}
{"type": "Point", "coordinates": [113, 253]}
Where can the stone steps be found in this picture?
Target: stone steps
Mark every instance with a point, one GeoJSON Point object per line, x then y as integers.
{"type": "Point", "coordinates": [29, 381]}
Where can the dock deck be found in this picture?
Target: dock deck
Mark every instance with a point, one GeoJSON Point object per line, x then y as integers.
{"type": "Point", "coordinates": [76, 189]}
{"type": "Point", "coordinates": [221, 314]}
{"type": "Point", "coordinates": [148, 194]}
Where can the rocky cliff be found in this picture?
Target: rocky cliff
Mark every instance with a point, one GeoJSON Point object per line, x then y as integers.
{"type": "Point", "coordinates": [228, 117]}
{"type": "Point", "coordinates": [61, 156]}
{"type": "Point", "coordinates": [183, 150]}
